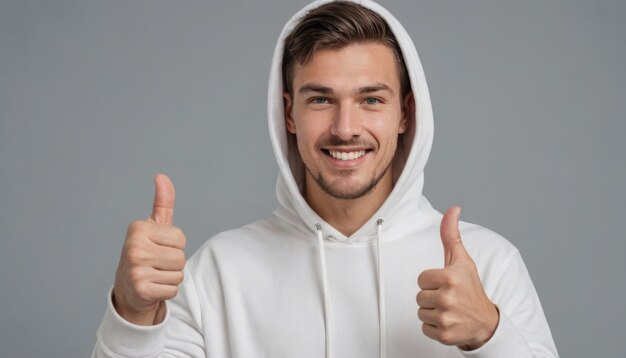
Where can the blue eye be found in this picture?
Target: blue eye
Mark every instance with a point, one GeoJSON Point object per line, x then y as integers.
{"type": "Point", "coordinates": [372, 100]}
{"type": "Point", "coordinates": [319, 100]}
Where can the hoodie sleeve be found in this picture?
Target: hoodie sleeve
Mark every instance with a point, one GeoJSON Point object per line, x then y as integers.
{"type": "Point", "coordinates": [523, 330]}
{"type": "Point", "coordinates": [179, 335]}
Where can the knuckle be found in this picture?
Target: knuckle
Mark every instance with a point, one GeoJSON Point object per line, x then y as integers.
{"type": "Point", "coordinates": [142, 290]}
{"type": "Point", "coordinates": [135, 275]}
{"type": "Point", "coordinates": [443, 320]}
{"type": "Point", "coordinates": [445, 337]}
{"type": "Point", "coordinates": [135, 255]}
{"type": "Point", "coordinates": [450, 279]}
{"type": "Point", "coordinates": [135, 227]}
{"type": "Point", "coordinates": [136, 235]}
{"type": "Point", "coordinates": [444, 301]}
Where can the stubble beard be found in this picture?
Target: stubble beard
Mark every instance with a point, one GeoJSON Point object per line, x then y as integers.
{"type": "Point", "coordinates": [348, 195]}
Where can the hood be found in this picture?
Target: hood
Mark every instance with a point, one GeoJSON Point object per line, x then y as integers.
{"type": "Point", "coordinates": [406, 203]}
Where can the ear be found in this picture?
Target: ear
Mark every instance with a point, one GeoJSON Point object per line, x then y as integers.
{"type": "Point", "coordinates": [408, 113]}
{"type": "Point", "coordinates": [290, 124]}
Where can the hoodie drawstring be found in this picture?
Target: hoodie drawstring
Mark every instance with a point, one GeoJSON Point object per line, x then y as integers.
{"type": "Point", "coordinates": [327, 313]}
{"type": "Point", "coordinates": [382, 332]}
{"type": "Point", "coordinates": [382, 327]}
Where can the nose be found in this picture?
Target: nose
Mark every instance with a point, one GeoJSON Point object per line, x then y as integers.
{"type": "Point", "coordinates": [346, 124]}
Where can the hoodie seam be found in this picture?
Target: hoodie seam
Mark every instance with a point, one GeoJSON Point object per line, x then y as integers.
{"type": "Point", "coordinates": [371, 239]}
{"type": "Point", "coordinates": [505, 265]}
{"type": "Point", "coordinates": [288, 223]}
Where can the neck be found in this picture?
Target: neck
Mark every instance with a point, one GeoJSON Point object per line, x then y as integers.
{"type": "Point", "coordinates": [347, 215]}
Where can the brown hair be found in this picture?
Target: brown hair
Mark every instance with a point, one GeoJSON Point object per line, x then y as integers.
{"type": "Point", "coordinates": [334, 26]}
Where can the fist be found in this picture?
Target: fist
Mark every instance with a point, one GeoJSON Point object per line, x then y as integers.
{"type": "Point", "coordinates": [152, 261]}
{"type": "Point", "coordinates": [454, 307]}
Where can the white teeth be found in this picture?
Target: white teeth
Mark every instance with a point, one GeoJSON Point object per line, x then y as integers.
{"type": "Point", "coordinates": [346, 155]}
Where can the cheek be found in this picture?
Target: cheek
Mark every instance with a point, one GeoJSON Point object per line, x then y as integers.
{"type": "Point", "coordinates": [310, 129]}
{"type": "Point", "coordinates": [385, 129]}
{"type": "Point", "coordinates": [301, 142]}
{"type": "Point", "coordinates": [306, 140]}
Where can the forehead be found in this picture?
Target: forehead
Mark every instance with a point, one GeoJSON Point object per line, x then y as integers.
{"type": "Point", "coordinates": [349, 67]}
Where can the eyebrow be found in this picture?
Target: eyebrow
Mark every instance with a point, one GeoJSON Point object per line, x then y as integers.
{"type": "Point", "coordinates": [313, 87]}
{"type": "Point", "coordinates": [375, 88]}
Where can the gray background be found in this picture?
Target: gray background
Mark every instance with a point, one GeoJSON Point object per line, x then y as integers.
{"type": "Point", "coordinates": [98, 96]}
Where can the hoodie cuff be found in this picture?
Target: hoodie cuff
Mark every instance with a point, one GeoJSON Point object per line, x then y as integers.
{"type": "Point", "coordinates": [123, 338]}
{"type": "Point", "coordinates": [506, 341]}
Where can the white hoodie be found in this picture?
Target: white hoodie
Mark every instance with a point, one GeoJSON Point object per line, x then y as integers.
{"type": "Point", "coordinates": [292, 285]}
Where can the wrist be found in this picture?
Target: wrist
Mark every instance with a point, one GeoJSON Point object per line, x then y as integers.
{"type": "Point", "coordinates": [146, 317]}
{"type": "Point", "coordinates": [485, 334]}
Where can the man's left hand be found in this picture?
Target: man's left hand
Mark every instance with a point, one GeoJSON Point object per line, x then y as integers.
{"type": "Point", "coordinates": [454, 307]}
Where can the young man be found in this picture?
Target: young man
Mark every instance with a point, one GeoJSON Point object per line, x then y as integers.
{"type": "Point", "coordinates": [339, 267]}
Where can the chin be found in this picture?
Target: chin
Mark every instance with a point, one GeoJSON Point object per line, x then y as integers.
{"type": "Point", "coordinates": [346, 191]}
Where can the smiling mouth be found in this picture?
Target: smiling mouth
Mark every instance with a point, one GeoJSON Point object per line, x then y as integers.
{"type": "Point", "coordinates": [342, 155]}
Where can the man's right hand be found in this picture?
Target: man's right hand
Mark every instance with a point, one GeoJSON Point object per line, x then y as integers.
{"type": "Point", "coordinates": [152, 262]}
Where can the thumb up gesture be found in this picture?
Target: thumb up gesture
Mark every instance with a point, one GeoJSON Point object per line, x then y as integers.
{"type": "Point", "coordinates": [454, 307]}
{"type": "Point", "coordinates": [152, 261]}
